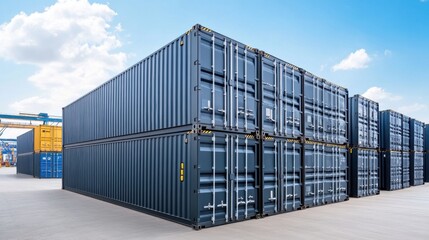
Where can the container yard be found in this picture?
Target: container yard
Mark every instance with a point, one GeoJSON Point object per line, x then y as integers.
{"type": "Point", "coordinates": [209, 136]}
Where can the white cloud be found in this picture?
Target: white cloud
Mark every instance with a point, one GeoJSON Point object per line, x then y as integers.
{"type": "Point", "coordinates": [356, 60]}
{"type": "Point", "coordinates": [73, 47]}
{"type": "Point", "coordinates": [398, 103]}
{"type": "Point", "coordinates": [379, 94]}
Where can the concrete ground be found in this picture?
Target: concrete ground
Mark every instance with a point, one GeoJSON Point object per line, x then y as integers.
{"type": "Point", "coordinates": [38, 209]}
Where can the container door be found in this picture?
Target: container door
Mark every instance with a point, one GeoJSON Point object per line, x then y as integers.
{"type": "Point", "coordinates": [269, 96]}
{"type": "Point", "coordinates": [227, 170]}
{"type": "Point", "coordinates": [271, 163]}
{"type": "Point", "coordinates": [313, 95]}
{"type": "Point", "coordinates": [289, 101]}
{"type": "Point", "coordinates": [228, 85]}
{"type": "Point", "coordinates": [373, 125]}
{"type": "Point", "coordinates": [403, 170]}
{"type": "Point", "coordinates": [373, 172]}
{"type": "Point", "coordinates": [314, 174]}
{"type": "Point", "coordinates": [290, 153]}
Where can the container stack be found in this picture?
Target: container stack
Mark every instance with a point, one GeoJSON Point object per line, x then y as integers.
{"type": "Point", "coordinates": [364, 146]}
{"type": "Point", "coordinates": [391, 132]}
{"type": "Point", "coordinates": [406, 151]}
{"type": "Point", "coordinates": [281, 119]}
{"type": "Point", "coordinates": [426, 153]}
{"type": "Point", "coordinates": [208, 131]}
{"type": "Point", "coordinates": [325, 131]}
{"type": "Point", "coordinates": [416, 152]}
{"type": "Point", "coordinates": [39, 152]}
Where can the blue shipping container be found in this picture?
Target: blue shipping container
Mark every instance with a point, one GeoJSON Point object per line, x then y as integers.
{"type": "Point", "coordinates": [201, 180]}
{"type": "Point", "coordinates": [282, 175]}
{"type": "Point", "coordinates": [364, 175]}
{"type": "Point", "coordinates": [426, 151]}
{"type": "Point", "coordinates": [391, 130]}
{"type": "Point", "coordinates": [391, 173]}
{"type": "Point", "coordinates": [364, 122]}
{"type": "Point", "coordinates": [325, 110]}
{"type": "Point", "coordinates": [325, 174]}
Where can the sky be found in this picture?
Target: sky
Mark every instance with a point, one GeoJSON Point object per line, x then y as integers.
{"type": "Point", "coordinates": [53, 52]}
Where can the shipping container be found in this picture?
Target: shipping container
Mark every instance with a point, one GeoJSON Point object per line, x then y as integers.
{"type": "Point", "coordinates": [325, 110]}
{"type": "Point", "coordinates": [426, 151]}
{"type": "Point", "coordinates": [48, 165]}
{"type": "Point", "coordinates": [405, 169]}
{"type": "Point", "coordinates": [200, 180]}
{"type": "Point", "coordinates": [200, 79]}
{"type": "Point", "coordinates": [364, 173]}
{"type": "Point", "coordinates": [325, 175]}
{"type": "Point", "coordinates": [364, 144]}
{"type": "Point", "coordinates": [47, 138]}
{"type": "Point", "coordinates": [391, 130]}
{"type": "Point", "coordinates": [391, 174]}
{"type": "Point", "coordinates": [406, 133]}
{"type": "Point", "coordinates": [282, 175]}
{"type": "Point", "coordinates": [281, 98]}
{"type": "Point", "coordinates": [416, 135]}
{"type": "Point", "coordinates": [416, 168]}
{"type": "Point", "coordinates": [41, 164]}
{"type": "Point", "coordinates": [207, 131]}
{"type": "Point", "coordinates": [364, 124]}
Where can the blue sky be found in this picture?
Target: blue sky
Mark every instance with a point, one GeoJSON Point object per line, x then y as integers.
{"type": "Point", "coordinates": [380, 48]}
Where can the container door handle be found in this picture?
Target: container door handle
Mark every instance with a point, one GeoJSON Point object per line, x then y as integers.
{"type": "Point", "coordinates": [209, 206]}
{"type": "Point", "coordinates": [222, 204]}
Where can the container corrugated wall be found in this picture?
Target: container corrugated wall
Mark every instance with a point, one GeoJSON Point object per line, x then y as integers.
{"type": "Point", "coordinates": [160, 92]}
{"type": "Point", "coordinates": [240, 113]}
{"type": "Point", "coordinates": [364, 143]}
{"type": "Point", "coordinates": [24, 164]}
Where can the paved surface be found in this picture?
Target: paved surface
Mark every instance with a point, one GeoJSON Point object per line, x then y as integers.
{"type": "Point", "coordinates": [39, 209]}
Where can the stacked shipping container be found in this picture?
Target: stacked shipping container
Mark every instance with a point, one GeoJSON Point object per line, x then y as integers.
{"type": "Point", "coordinates": [39, 152]}
{"type": "Point", "coordinates": [208, 131]}
{"type": "Point", "coordinates": [426, 153]}
{"type": "Point", "coordinates": [364, 146]}
{"type": "Point", "coordinates": [403, 157]}
{"type": "Point", "coordinates": [391, 132]}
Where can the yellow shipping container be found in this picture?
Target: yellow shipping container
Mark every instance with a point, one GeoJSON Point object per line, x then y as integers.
{"type": "Point", "coordinates": [47, 139]}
